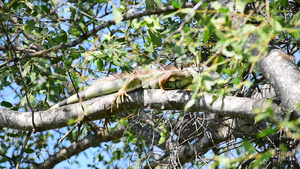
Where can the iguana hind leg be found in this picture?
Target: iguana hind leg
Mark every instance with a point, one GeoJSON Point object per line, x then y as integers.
{"type": "Point", "coordinates": [129, 85]}
{"type": "Point", "coordinates": [167, 77]}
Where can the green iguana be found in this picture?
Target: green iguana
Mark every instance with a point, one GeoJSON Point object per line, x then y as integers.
{"type": "Point", "coordinates": [169, 78]}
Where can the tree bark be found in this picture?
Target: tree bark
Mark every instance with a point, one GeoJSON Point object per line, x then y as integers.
{"type": "Point", "coordinates": [284, 76]}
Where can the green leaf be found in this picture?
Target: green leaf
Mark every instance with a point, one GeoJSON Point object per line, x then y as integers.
{"type": "Point", "coordinates": [30, 25]}
{"type": "Point", "coordinates": [248, 146]}
{"type": "Point", "coordinates": [107, 36]}
{"type": "Point", "coordinates": [6, 104]}
{"type": "Point", "coordinates": [29, 5]}
{"type": "Point", "coordinates": [191, 48]}
{"type": "Point", "coordinates": [29, 150]}
{"type": "Point", "coordinates": [155, 37]}
{"type": "Point", "coordinates": [208, 83]}
{"type": "Point", "coordinates": [124, 121]}
{"type": "Point", "coordinates": [246, 29]}
{"type": "Point", "coordinates": [277, 26]}
{"type": "Point", "coordinates": [26, 70]}
{"type": "Point", "coordinates": [86, 108]}
{"type": "Point", "coordinates": [224, 10]}
{"type": "Point", "coordinates": [116, 61]}
{"type": "Point", "coordinates": [170, 15]}
{"type": "Point", "coordinates": [216, 5]}
{"type": "Point", "coordinates": [162, 136]}
{"type": "Point", "coordinates": [83, 26]}
{"type": "Point", "coordinates": [64, 36]}
{"type": "Point", "coordinates": [156, 24]}
{"type": "Point", "coordinates": [58, 76]}
{"type": "Point", "coordinates": [176, 4]}
{"type": "Point", "coordinates": [38, 35]}
{"type": "Point", "coordinates": [189, 104]}
{"type": "Point", "coordinates": [150, 4]}
{"type": "Point", "coordinates": [284, 3]}
{"type": "Point", "coordinates": [135, 24]}
{"type": "Point", "coordinates": [23, 101]}
{"type": "Point", "coordinates": [37, 9]}
{"type": "Point", "coordinates": [296, 18]}
{"type": "Point", "coordinates": [99, 64]}
{"type": "Point", "coordinates": [236, 81]}
{"type": "Point", "coordinates": [71, 121]}
{"type": "Point", "coordinates": [117, 155]}
{"type": "Point", "coordinates": [283, 148]}
{"type": "Point", "coordinates": [130, 137]}
{"type": "Point", "coordinates": [46, 9]}
{"type": "Point", "coordinates": [267, 131]}
{"type": "Point", "coordinates": [178, 50]}
{"type": "Point", "coordinates": [206, 36]}
{"type": "Point", "coordinates": [148, 20]}
{"type": "Point", "coordinates": [298, 105]}
{"type": "Point", "coordinates": [158, 3]}
{"type": "Point", "coordinates": [261, 116]}
{"type": "Point", "coordinates": [32, 100]}
{"type": "Point", "coordinates": [117, 15]}
{"type": "Point", "coordinates": [32, 76]}
{"type": "Point", "coordinates": [240, 5]}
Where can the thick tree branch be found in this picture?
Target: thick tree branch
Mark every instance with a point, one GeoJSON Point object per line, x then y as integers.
{"type": "Point", "coordinates": [284, 76]}
{"type": "Point", "coordinates": [99, 108]}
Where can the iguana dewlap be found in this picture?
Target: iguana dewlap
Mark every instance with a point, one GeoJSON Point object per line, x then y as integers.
{"type": "Point", "coordinates": [172, 78]}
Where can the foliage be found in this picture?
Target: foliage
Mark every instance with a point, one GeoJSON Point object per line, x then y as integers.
{"type": "Point", "coordinates": [51, 49]}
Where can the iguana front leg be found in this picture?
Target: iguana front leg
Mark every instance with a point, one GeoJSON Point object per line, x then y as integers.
{"type": "Point", "coordinates": [130, 84]}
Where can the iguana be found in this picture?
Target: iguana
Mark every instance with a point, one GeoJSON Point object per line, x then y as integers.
{"type": "Point", "coordinates": [168, 78]}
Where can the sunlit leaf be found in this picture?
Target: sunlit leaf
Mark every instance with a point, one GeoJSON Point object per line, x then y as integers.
{"type": "Point", "coordinates": [240, 5]}
{"type": "Point", "coordinates": [162, 137]}
{"type": "Point", "coordinates": [117, 15]}
{"type": "Point", "coordinates": [26, 70]}
{"type": "Point", "coordinates": [176, 4]}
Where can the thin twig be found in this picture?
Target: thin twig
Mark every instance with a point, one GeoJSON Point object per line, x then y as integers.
{"type": "Point", "coordinates": [73, 128]}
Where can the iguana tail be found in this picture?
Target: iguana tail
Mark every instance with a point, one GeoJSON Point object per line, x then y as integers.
{"type": "Point", "coordinates": [98, 89]}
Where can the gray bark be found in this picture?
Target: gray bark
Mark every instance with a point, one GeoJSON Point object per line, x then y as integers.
{"type": "Point", "coordinates": [99, 108]}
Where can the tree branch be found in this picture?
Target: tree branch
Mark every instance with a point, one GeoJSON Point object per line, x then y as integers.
{"type": "Point", "coordinates": [99, 108]}
{"type": "Point", "coordinates": [284, 76]}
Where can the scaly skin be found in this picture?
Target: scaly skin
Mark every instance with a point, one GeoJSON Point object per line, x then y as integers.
{"type": "Point", "coordinates": [155, 79]}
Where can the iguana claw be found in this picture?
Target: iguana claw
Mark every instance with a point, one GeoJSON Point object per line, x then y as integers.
{"type": "Point", "coordinates": [119, 96]}
{"type": "Point", "coordinates": [126, 87]}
